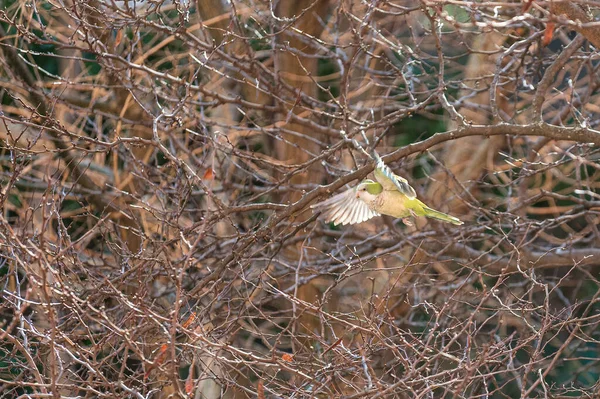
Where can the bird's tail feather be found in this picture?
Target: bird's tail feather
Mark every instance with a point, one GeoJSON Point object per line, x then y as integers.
{"type": "Point", "coordinates": [432, 213]}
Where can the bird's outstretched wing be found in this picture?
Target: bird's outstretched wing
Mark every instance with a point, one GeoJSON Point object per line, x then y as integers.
{"type": "Point", "coordinates": [391, 181]}
{"type": "Point", "coordinates": [345, 208]}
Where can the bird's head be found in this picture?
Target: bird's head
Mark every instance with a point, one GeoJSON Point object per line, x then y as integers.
{"type": "Point", "coordinates": [368, 189]}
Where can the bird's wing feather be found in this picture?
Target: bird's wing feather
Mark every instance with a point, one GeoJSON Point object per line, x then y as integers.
{"type": "Point", "coordinates": [391, 181]}
{"type": "Point", "coordinates": [345, 208]}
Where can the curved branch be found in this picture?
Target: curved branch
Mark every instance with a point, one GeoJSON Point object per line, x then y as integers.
{"type": "Point", "coordinates": [578, 134]}
{"type": "Point", "coordinates": [551, 73]}
{"type": "Point", "coordinates": [575, 12]}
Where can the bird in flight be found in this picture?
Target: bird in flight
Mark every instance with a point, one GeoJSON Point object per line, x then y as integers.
{"type": "Point", "coordinates": [389, 194]}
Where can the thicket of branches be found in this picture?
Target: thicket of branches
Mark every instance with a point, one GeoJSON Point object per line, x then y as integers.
{"type": "Point", "coordinates": [158, 163]}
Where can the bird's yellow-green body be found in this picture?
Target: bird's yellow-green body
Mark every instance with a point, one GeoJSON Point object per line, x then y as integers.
{"type": "Point", "coordinates": [388, 194]}
{"type": "Point", "coordinates": [391, 203]}
{"type": "Point", "coordinates": [398, 205]}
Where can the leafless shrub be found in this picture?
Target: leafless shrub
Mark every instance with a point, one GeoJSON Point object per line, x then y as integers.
{"type": "Point", "coordinates": [158, 163]}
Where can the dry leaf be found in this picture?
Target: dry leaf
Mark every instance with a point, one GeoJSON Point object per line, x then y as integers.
{"type": "Point", "coordinates": [159, 359]}
{"type": "Point", "coordinates": [548, 33]}
{"type": "Point", "coordinates": [189, 382]}
{"type": "Point", "coordinates": [260, 390]}
{"type": "Point", "coordinates": [189, 320]}
{"type": "Point", "coordinates": [119, 37]}
{"type": "Point", "coordinates": [209, 174]}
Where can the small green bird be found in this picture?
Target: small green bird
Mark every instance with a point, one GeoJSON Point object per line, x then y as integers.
{"type": "Point", "coordinates": [389, 195]}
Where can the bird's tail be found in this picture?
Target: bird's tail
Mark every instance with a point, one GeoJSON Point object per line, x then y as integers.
{"type": "Point", "coordinates": [432, 213]}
